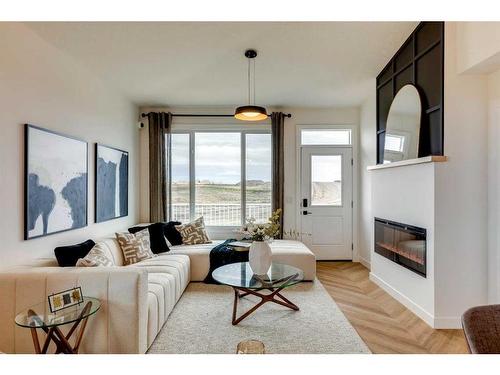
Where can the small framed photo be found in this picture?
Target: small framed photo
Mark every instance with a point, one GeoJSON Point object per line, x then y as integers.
{"type": "Point", "coordinates": [68, 298]}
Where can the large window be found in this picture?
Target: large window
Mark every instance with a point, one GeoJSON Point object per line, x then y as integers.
{"type": "Point", "coordinates": [223, 176]}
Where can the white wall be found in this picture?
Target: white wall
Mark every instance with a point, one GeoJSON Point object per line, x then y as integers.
{"type": "Point", "coordinates": [367, 157]}
{"type": "Point", "coordinates": [461, 191]}
{"type": "Point", "coordinates": [300, 116]}
{"type": "Point", "coordinates": [42, 86]}
{"type": "Point", "coordinates": [308, 116]}
{"type": "Point", "coordinates": [494, 187]}
{"type": "Point", "coordinates": [406, 195]}
{"type": "Point", "coordinates": [478, 47]}
{"type": "Point", "coordinates": [478, 54]}
{"type": "Point", "coordinates": [458, 257]}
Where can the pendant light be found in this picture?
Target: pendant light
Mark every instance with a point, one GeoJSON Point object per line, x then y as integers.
{"type": "Point", "coordinates": [251, 112]}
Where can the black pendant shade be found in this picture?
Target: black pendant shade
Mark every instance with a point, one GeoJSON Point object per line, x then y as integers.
{"type": "Point", "coordinates": [250, 112]}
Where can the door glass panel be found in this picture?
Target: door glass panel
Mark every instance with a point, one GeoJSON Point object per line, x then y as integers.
{"type": "Point", "coordinates": [218, 178]}
{"type": "Point", "coordinates": [180, 177]}
{"type": "Point", "coordinates": [326, 180]}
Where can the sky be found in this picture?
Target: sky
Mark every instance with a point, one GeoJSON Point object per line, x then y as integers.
{"type": "Point", "coordinates": [218, 157]}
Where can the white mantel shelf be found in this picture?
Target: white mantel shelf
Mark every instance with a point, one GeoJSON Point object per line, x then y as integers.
{"type": "Point", "coordinates": [402, 163]}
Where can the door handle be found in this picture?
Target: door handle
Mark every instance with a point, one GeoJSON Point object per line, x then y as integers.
{"type": "Point", "coordinates": [306, 213]}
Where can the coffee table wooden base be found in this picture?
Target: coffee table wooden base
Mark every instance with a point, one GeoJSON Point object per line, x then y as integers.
{"type": "Point", "coordinates": [55, 334]}
{"type": "Point", "coordinates": [240, 292]}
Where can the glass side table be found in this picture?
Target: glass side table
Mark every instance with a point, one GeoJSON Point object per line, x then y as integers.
{"type": "Point", "coordinates": [50, 322]}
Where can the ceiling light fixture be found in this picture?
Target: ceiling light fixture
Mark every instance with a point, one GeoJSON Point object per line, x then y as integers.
{"type": "Point", "coordinates": [251, 112]}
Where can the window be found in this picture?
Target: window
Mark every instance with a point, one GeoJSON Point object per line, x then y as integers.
{"type": "Point", "coordinates": [394, 142]}
{"type": "Point", "coordinates": [179, 188]}
{"type": "Point", "coordinates": [221, 175]}
{"type": "Point", "coordinates": [258, 176]}
{"type": "Point", "coordinates": [322, 137]}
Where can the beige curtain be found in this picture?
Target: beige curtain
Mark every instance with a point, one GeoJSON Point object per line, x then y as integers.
{"type": "Point", "coordinates": [159, 171]}
{"type": "Point", "coordinates": [278, 125]}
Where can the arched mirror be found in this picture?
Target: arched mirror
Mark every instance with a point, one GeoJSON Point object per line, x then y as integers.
{"type": "Point", "coordinates": [403, 126]}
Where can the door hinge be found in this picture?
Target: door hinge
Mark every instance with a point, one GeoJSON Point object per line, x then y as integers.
{"type": "Point", "coordinates": [352, 246]}
{"type": "Point", "coordinates": [352, 161]}
{"type": "Point", "coordinates": [352, 204]}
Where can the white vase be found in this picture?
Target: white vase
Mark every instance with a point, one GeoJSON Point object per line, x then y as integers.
{"type": "Point", "coordinates": [260, 257]}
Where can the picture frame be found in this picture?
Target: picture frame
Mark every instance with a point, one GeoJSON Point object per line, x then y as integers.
{"type": "Point", "coordinates": [67, 298]}
{"type": "Point", "coordinates": [111, 183]}
{"type": "Point", "coordinates": [55, 182]}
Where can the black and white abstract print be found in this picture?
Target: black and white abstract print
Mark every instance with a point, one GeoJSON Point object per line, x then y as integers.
{"type": "Point", "coordinates": [56, 182]}
{"type": "Point", "coordinates": [111, 183]}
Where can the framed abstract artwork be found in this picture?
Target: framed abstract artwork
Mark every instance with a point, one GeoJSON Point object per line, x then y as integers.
{"type": "Point", "coordinates": [55, 182]}
{"type": "Point", "coordinates": [111, 183]}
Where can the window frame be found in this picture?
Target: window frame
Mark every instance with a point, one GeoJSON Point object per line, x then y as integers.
{"type": "Point", "coordinates": [191, 130]}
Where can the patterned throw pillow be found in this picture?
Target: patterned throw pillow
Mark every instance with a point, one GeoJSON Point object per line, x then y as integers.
{"type": "Point", "coordinates": [95, 258]}
{"type": "Point", "coordinates": [193, 233]}
{"type": "Point", "coordinates": [135, 247]}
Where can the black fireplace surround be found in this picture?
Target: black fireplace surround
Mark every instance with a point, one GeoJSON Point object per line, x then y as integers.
{"type": "Point", "coordinates": [403, 244]}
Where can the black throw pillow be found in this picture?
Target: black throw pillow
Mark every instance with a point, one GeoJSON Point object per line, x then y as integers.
{"type": "Point", "coordinates": [172, 234]}
{"type": "Point", "coordinates": [67, 256]}
{"type": "Point", "coordinates": [156, 237]}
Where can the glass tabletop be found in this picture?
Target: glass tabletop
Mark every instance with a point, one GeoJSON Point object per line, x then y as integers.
{"type": "Point", "coordinates": [40, 316]}
{"type": "Point", "coordinates": [241, 275]}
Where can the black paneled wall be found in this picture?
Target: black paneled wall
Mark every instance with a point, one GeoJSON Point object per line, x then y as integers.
{"type": "Point", "coordinates": [419, 61]}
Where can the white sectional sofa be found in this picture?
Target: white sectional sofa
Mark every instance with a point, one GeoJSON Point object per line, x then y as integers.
{"type": "Point", "coordinates": [136, 300]}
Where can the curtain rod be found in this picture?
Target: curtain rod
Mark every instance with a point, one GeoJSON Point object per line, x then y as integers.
{"type": "Point", "coordinates": [202, 115]}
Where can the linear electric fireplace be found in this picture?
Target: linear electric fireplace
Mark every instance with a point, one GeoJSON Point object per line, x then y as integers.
{"type": "Point", "coordinates": [403, 244]}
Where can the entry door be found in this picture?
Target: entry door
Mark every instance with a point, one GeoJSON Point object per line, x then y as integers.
{"type": "Point", "coordinates": [326, 206]}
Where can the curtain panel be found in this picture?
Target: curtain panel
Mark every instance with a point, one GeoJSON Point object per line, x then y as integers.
{"type": "Point", "coordinates": [159, 162]}
{"type": "Point", "coordinates": [277, 126]}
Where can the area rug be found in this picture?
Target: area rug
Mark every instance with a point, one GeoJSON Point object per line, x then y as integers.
{"type": "Point", "coordinates": [201, 323]}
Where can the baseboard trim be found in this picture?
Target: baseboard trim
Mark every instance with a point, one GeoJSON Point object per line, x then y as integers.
{"type": "Point", "coordinates": [365, 263]}
{"type": "Point", "coordinates": [448, 322]}
{"type": "Point", "coordinates": [408, 303]}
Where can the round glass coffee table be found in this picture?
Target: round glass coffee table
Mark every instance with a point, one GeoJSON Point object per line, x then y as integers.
{"type": "Point", "coordinates": [39, 316]}
{"type": "Point", "coordinates": [244, 282]}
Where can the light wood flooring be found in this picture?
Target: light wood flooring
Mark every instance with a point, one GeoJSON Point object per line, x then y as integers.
{"type": "Point", "coordinates": [384, 324]}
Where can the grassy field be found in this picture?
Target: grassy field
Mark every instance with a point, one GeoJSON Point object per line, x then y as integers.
{"type": "Point", "coordinates": [220, 193]}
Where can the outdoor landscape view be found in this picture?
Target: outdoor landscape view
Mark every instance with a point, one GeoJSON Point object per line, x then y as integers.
{"type": "Point", "coordinates": [217, 183]}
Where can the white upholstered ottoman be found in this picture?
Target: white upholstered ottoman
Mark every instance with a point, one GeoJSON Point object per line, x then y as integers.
{"type": "Point", "coordinates": [290, 252]}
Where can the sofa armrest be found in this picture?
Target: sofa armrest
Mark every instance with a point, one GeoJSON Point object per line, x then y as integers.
{"type": "Point", "coordinates": [120, 326]}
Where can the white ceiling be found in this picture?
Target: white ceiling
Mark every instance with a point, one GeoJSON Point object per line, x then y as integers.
{"type": "Point", "coordinates": [307, 64]}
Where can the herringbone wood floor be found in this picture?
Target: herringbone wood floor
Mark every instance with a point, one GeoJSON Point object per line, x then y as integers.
{"type": "Point", "coordinates": [384, 324]}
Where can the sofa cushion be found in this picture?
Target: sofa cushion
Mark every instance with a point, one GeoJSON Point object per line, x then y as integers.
{"type": "Point", "coordinates": [135, 247]}
{"type": "Point", "coordinates": [157, 237]}
{"type": "Point", "coordinates": [172, 234]}
{"type": "Point", "coordinates": [199, 256]}
{"type": "Point", "coordinates": [113, 250]}
{"type": "Point", "coordinates": [67, 256]}
{"type": "Point", "coordinates": [194, 232]}
{"type": "Point", "coordinates": [96, 257]}
{"type": "Point", "coordinates": [175, 266]}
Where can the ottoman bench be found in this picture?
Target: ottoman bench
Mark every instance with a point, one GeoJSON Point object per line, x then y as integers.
{"type": "Point", "coordinates": [290, 252]}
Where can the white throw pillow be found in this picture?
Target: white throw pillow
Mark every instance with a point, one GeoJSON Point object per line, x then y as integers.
{"type": "Point", "coordinates": [96, 257]}
{"type": "Point", "coordinates": [194, 232]}
{"type": "Point", "coordinates": [135, 247]}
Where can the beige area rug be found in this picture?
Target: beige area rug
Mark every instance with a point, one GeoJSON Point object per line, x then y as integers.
{"type": "Point", "coordinates": [201, 323]}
